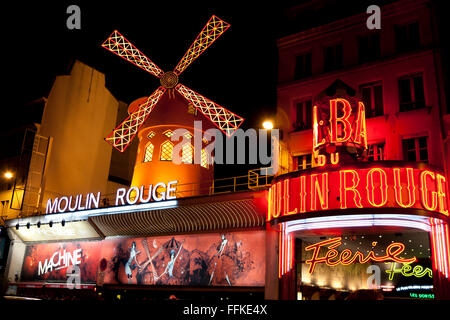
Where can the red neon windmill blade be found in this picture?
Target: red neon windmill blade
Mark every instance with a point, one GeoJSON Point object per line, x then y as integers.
{"type": "Point", "coordinates": [119, 45]}
{"type": "Point", "coordinates": [121, 137]}
{"type": "Point", "coordinates": [210, 33]}
{"type": "Point", "coordinates": [224, 119]}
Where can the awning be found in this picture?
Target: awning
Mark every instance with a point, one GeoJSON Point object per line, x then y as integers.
{"type": "Point", "coordinates": [190, 218]}
{"type": "Point", "coordinates": [231, 211]}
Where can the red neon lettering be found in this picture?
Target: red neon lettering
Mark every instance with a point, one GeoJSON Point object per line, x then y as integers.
{"type": "Point", "coordinates": [334, 158]}
{"type": "Point", "coordinates": [410, 186]}
{"type": "Point", "coordinates": [286, 199]}
{"type": "Point", "coordinates": [277, 199]}
{"type": "Point", "coordinates": [320, 190]}
{"type": "Point", "coordinates": [321, 160]}
{"type": "Point", "coordinates": [424, 191]}
{"type": "Point", "coordinates": [344, 188]}
{"type": "Point", "coordinates": [392, 254]}
{"type": "Point", "coordinates": [270, 205]}
{"type": "Point", "coordinates": [302, 195]}
{"type": "Point", "coordinates": [441, 194]}
{"type": "Point", "coordinates": [361, 131]}
{"type": "Point", "coordinates": [346, 129]}
{"type": "Point", "coordinates": [371, 188]}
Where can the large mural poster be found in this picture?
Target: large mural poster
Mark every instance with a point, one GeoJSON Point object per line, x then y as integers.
{"type": "Point", "coordinates": [54, 261]}
{"type": "Point", "coordinates": [222, 259]}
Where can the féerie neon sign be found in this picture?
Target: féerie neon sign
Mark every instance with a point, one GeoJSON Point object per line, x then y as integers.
{"type": "Point", "coordinates": [346, 257]}
{"type": "Point", "coordinates": [407, 271]}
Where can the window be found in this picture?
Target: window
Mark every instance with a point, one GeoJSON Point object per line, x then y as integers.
{"type": "Point", "coordinates": [411, 93]}
{"type": "Point", "coordinates": [303, 115]}
{"type": "Point", "coordinates": [302, 66]}
{"type": "Point", "coordinates": [407, 37]}
{"type": "Point", "coordinates": [168, 133]}
{"type": "Point", "coordinates": [151, 134]}
{"type": "Point", "coordinates": [187, 153]}
{"type": "Point", "coordinates": [148, 154]}
{"type": "Point", "coordinates": [166, 151]}
{"type": "Point", "coordinates": [333, 58]}
{"type": "Point", "coordinates": [415, 149]}
{"type": "Point", "coordinates": [372, 96]}
{"type": "Point", "coordinates": [303, 162]}
{"type": "Point", "coordinates": [191, 109]}
{"type": "Point", "coordinates": [204, 162]}
{"type": "Point", "coordinates": [375, 152]}
{"type": "Point", "coordinates": [369, 47]}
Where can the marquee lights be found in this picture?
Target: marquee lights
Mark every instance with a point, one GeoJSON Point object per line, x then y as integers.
{"type": "Point", "coordinates": [358, 188]}
{"type": "Point", "coordinates": [346, 256]}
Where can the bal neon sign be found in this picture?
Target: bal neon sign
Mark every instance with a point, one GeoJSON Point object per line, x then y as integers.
{"type": "Point", "coordinates": [342, 124]}
{"type": "Point", "coordinates": [378, 187]}
{"type": "Point", "coordinates": [346, 257]}
{"type": "Point", "coordinates": [133, 195]}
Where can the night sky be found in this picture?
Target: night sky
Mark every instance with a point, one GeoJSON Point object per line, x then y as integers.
{"type": "Point", "coordinates": [238, 71]}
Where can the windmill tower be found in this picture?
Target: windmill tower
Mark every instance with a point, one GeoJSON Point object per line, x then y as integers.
{"type": "Point", "coordinates": [179, 108]}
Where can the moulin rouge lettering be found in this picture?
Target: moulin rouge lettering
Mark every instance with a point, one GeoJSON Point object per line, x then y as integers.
{"type": "Point", "coordinates": [59, 260]}
{"type": "Point", "coordinates": [159, 192]}
{"type": "Point", "coordinates": [358, 188]}
{"type": "Point", "coordinates": [346, 257]}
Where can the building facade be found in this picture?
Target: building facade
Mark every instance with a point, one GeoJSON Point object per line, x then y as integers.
{"type": "Point", "coordinates": [396, 72]}
{"type": "Point", "coordinates": [360, 200]}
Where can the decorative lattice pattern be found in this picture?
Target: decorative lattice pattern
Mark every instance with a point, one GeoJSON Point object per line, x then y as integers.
{"type": "Point", "coordinates": [212, 30]}
{"type": "Point", "coordinates": [151, 134]}
{"type": "Point", "coordinates": [166, 151]}
{"type": "Point", "coordinates": [204, 162]}
{"type": "Point", "coordinates": [122, 135]}
{"type": "Point", "coordinates": [116, 43]}
{"type": "Point", "coordinates": [187, 153]}
{"type": "Point", "coordinates": [224, 119]}
{"type": "Point", "coordinates": [148, 155]}
{"type": "Point", "coordinates": [188, 135]}
{"type": "Point", "coordinates": [168, 133]}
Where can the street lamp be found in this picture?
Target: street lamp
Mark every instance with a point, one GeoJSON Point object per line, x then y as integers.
{"type": "Point", "coordinates": [268, 125]}
{"type": "Point", "coordinates": [8, 175]}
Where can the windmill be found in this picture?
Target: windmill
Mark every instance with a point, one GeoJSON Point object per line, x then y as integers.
{"type": "Point", "coordinates": [227, 121]}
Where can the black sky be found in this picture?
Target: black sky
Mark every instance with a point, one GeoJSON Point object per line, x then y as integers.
{"type": "Point", "coordinates": [238, 71]}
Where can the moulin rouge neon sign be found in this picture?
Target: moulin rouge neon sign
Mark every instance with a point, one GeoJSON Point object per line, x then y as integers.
{"type": "Point", "coordinates": [346, 257]}
{"type": "Point", "coordinates": [133, 195]}
{"type": "Point", "coordinates": [387, 187]}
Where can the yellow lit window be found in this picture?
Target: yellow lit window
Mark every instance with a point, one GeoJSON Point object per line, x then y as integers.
{"type": "Point", "coordinates": [187, 153]}
{"type": "Point", "coordinates": [148, 155]}
{"type": "Point", "coordinates": [168, 133]}
{"type": "Point", "coordinates": [166, 151]}
{"type": "Point", "coordinates": [204, 162]}
{"type": "Point", "coordinates": [187, 135]}
{"type": "Point", "coordinates": [151, 134]}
